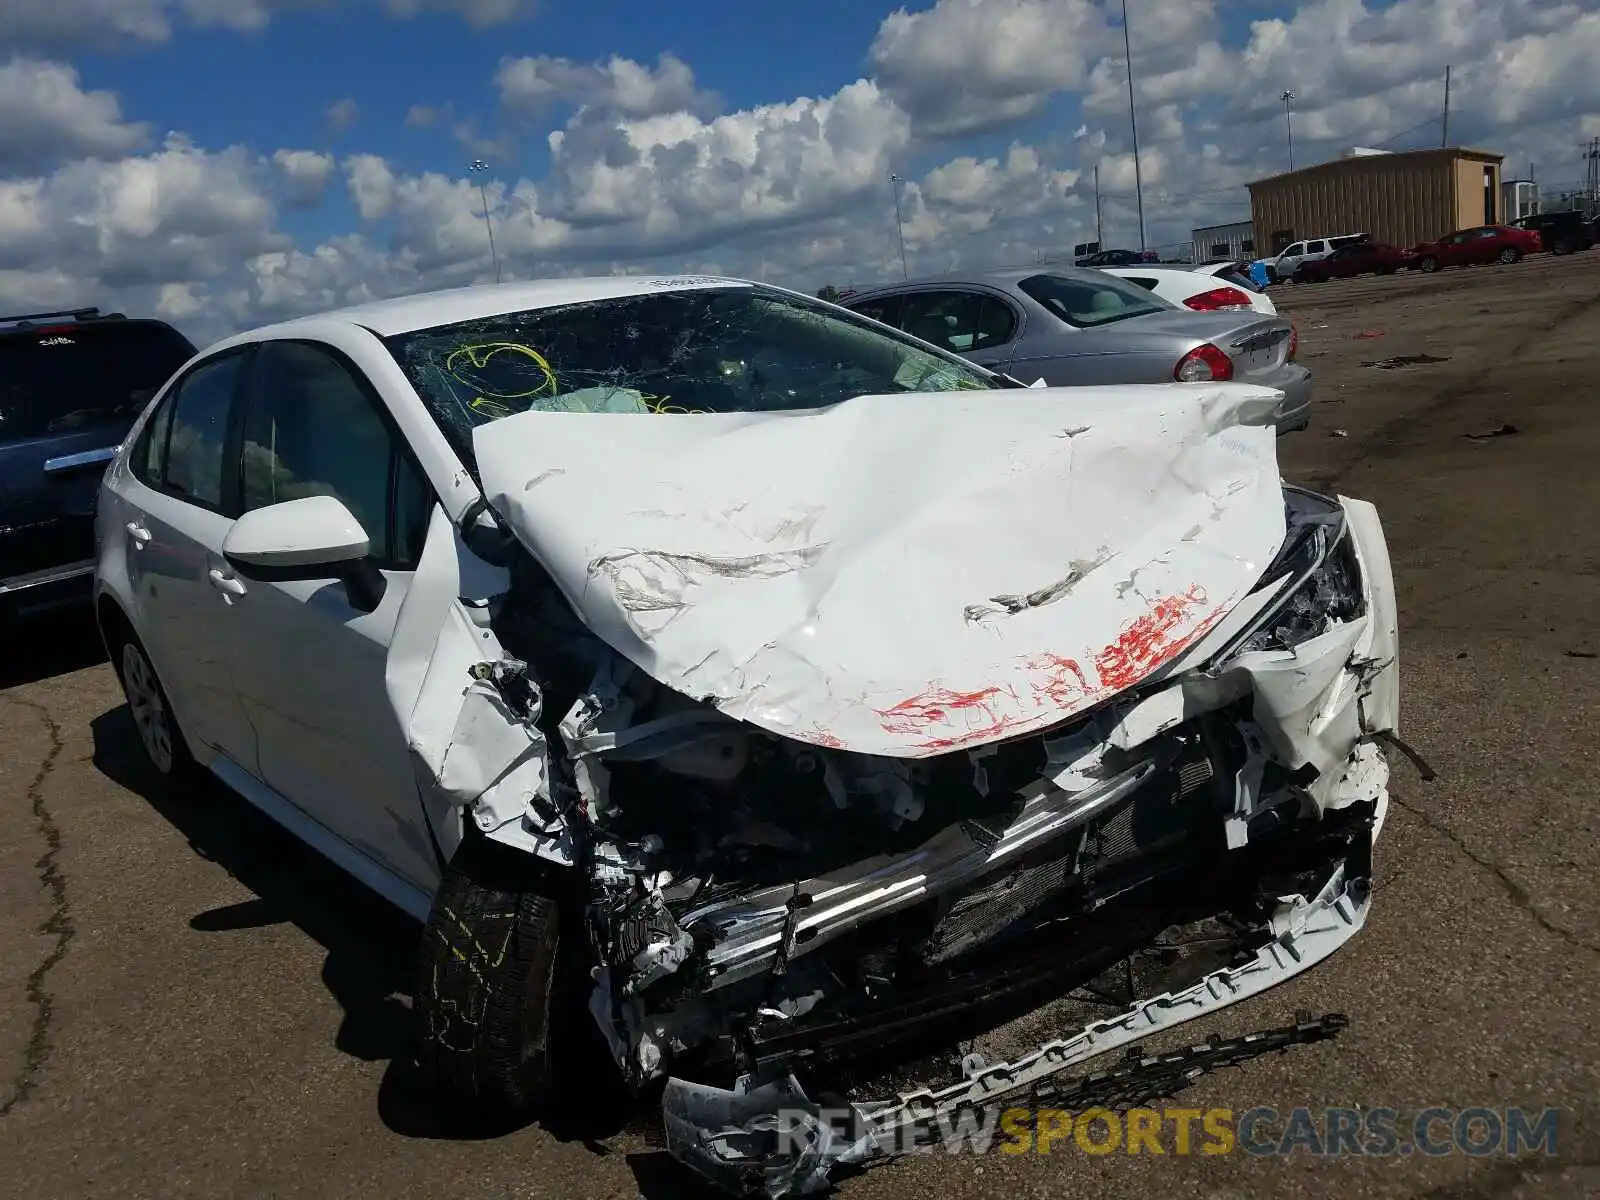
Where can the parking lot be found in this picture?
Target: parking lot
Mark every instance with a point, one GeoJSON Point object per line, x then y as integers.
{"type": "Point", "coordinates": [191, 1005]}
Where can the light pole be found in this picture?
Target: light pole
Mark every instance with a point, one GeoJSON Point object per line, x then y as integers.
{"type": "Point", "coordinates": [900, 225]}
{"type": "Point", "coordinates": [1133, 126]}
{"type": "Point", "coordinates": [481, 169]}
{"type": "Point", "coordinates": [1288, 99]}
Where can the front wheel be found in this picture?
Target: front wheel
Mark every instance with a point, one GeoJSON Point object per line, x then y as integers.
{"type": "Point", "coordinates": [1510, 255]}
{"type": "Point", "coordinates": [486, 991]}
{"type": "Point", "coordinates": [1429, 265]}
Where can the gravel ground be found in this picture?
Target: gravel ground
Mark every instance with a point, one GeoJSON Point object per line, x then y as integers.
{"type": "Point", "coordinates": [190, 1005]}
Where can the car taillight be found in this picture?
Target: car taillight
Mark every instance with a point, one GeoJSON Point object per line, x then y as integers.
{"type": "Point", "coordinates": [1294, 343]}
{"type": "Point", "coordinates": [1204, 364]}
{"type": "Point", "coordinates": [1218, 299]}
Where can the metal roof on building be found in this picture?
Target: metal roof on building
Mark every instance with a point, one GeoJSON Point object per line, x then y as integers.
{"type": "Point", "coordinates": [1401, 156]}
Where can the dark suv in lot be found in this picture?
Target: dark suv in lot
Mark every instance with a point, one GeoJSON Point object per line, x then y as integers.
{"type": "Point", "coordinates": [71, 384]}
{"type": "Point", "coordinates": [1561, 232]}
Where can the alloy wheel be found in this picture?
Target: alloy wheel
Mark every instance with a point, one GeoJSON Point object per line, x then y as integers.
{"type": "Point", "coordinates": [148, 706]}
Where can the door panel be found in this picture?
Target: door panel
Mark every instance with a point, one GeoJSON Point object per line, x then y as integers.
{"type": "Point", "coordinates": [176, 523]}
{"type": "Point", "coordinates": [309, 661]}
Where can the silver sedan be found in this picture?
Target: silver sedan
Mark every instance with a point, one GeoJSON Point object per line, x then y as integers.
{"type": "Point", "coordinates": [1073, 327]}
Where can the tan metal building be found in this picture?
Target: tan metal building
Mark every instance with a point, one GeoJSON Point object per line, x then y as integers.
{"type": "Point", "coordinates": [1401, 198]}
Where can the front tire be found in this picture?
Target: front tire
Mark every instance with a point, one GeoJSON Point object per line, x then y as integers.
{"type": "Point", "coordinates": [1430, 265]}
{"type": "Point", "coordinates": [486, 991]}
{"type": "Point", "coordinates": [1510, 255]}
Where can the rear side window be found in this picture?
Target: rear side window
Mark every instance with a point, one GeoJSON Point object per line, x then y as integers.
{"type": "Point", "coordinates": [200, 431]}
{"type": "Point", "coordinates": [963, 322]}
{"type": "Point", "coordinates": [58, 380]}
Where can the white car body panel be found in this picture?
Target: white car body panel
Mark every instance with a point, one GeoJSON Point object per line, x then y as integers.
{"type": "Point", "coordinates": [843, 576]}
{"type": "Point", "coordinates": [1176, 286]}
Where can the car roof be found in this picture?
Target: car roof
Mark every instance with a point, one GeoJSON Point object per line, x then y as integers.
{"type": "Point", "coordinates": [1005, 278]}
{"type": "Point", "coordinates": [427, 310]}
{"type": "Point", "coordinates": [74, 318]}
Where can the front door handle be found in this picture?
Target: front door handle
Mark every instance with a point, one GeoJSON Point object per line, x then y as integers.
{"type": "Point", "coordinates": [138, 533]}
{"type": "Point", "coordinates": [223, 582]}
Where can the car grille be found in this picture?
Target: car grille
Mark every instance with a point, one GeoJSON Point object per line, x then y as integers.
{"type": "Point", "coordinates": [1169, 821]}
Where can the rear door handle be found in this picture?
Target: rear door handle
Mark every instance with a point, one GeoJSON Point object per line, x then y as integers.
{"type": "Point", "coordinates": [223, 582]}
{"type": "Point", "coordinates": [138, 533]}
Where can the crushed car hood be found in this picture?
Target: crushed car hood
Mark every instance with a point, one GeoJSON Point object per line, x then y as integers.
{"type": "Point", "coordinates": [901, 575]}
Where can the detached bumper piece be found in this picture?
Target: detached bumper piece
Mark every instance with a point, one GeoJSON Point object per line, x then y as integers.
{"type": "Point", "coordinates": [768, 1139]}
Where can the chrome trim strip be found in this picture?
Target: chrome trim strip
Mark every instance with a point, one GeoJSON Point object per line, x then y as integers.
{"type": "Point", "coordinates": [750, 928]}
{"type": "Point", "coordinates": [22, 583]}
{"type": "Point", "coordinates": [84, 458]}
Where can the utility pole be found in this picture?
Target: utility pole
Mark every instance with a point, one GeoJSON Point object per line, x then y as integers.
{"type": "Point", "coordinates": [1444, 140]}
{"type": "Point", "coordinates": [900, 226]}
{"type": "Point", "coordinates": [1288, 99]}
{"type": "Point", "coordinates": [1133, 125]}
{"type": "Point", "coordinates": [1099, 228]}
{"type": "Point", "coordinates": [480, 169]}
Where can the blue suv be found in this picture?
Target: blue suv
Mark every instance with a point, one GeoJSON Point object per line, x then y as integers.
{"type": "Point", "coordinates": [71, 384]}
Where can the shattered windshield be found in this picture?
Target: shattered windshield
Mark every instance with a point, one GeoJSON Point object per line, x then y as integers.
{"type": "Point", "coordinates": [705, 350]}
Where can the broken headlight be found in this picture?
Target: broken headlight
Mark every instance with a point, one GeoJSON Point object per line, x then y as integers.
{"type": "Point", "coordinates": [1328, 593]}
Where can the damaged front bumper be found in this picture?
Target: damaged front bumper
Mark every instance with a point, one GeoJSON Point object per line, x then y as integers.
{"type": "Point", "coordinates": [771, 1139]}
{"type": "Point", "coordinates": [1316, 660]}
{"type": "Point", "coordinates": [1267, 726]}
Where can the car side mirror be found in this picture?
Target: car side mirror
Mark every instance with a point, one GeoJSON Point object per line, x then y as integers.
{"type": "Point", "coordinates": [314, 537]}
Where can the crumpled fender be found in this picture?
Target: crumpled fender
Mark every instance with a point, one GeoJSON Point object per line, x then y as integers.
{"type": "Point", "coordinates": [471, 753]}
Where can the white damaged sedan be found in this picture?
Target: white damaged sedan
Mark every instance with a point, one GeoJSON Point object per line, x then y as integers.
{"type": "Point", "coordinates": [764, 681]}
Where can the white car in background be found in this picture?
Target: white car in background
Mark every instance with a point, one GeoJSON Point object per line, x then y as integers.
{"type": "Point", "coordinates": [1198, 288]}
{"type": "Point", "coordinates": [705, 664]}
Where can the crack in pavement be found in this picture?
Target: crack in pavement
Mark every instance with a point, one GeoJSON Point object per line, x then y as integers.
{"type": "Point", "coordinates": [59, 922]}
{"type": "Point", "coordinates": [1518, 894]}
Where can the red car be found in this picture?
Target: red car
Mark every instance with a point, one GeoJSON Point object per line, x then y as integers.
{"type": "Point", "coordinates": [1483, 244]}
{"type": "Point", "coordinates": [1358, 258]}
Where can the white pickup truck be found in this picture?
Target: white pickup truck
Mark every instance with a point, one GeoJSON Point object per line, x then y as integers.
{"type": "Point", "coordinates": [1282, 268]}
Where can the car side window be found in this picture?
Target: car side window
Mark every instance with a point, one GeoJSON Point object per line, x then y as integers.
{"type": "Point", "coordinates": [199, 431]}
{"type": "Point", "coordinates": [312, 429]}
{"type": "Point", "coordinates": [1297, 249]}
{"type": "Point", "coordinates": [957, 320]}
{"type": "Point", "coordinates": [149, 457]}
{"type": "Point", "coordinates": [1316, 247]}
{"type": "Point", "coordinates": [1143, 281]}
{"type": "Point", "coordinates": [881, 308]}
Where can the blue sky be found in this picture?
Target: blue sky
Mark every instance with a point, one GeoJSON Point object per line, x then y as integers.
{"type": "Point", "coordinates": [274, 87]}
{"type": "Point", "coordinates": [762, 145]}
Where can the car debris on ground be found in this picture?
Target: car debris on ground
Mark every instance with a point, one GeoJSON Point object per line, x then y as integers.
{"type": "Point", "coordinates": [1405, 360]}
